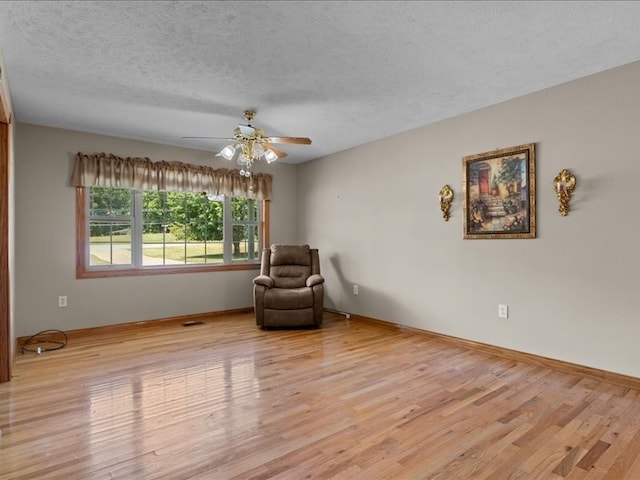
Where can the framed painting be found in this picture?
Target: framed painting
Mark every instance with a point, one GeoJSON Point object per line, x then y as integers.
{"type": "Point", "coordinates": [499, 199]}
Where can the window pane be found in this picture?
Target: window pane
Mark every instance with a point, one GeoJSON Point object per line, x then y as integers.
{"type": "Point", "coordinates": [245, 229]}
{"type": "Point", "coordinates": [211, 232]}
{"type": "Point", "coordinates": [213, 252]}
{"type": "Point", "coordinates": [109, 243]}
{"type": "Point", "coordinates": [181, 228]}
{"type": "Point", "coordinates": [195, 251]}
{"type": "Point", "coordinates": [239, 209]}
{"type": "Point", "coordinates": [245, 242]}
{"type": "Point", "coordinates": [142, 229]}
{"type": "Point", "coordinates": [155, 228]}
{"type": "Point", "coordinates": [153, 212]}
{"type": "Point", "coordinates": [110, 202]}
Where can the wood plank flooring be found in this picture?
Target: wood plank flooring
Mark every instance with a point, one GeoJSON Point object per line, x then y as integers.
{"type": "Point", "coordinates": [352, 401]}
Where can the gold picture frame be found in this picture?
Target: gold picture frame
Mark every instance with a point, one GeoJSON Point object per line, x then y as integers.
{"type": "Point", "coordinates": [499, 193]}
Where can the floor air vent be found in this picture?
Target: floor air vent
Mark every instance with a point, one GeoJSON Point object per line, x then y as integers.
{"type": "Point", "coordinates": [192, 323]}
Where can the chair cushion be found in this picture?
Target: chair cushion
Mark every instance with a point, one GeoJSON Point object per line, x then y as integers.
{"type": "Point", "coordinates": [290, 276]}
{"type": "Point", "coordinates": [290, 265]}
{"type": "Point", "coordinates": [288, 299]}
{"type": "Point", "coordinates": [290, 255]}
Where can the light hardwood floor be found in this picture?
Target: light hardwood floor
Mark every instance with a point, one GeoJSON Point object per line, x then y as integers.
{"type": "Point", "coordinates": [354, 400]}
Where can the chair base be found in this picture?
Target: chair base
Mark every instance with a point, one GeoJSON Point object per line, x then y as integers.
{"type": "Point", "coordinates": [303, 318]}
{"type": "Point", "coordinates": [295, 327]}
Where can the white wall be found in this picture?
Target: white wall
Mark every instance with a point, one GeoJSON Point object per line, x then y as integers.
{"type": "Point", "coordinates": [45, 241]}
{"type": "Point", "coordinates": [572, 292]}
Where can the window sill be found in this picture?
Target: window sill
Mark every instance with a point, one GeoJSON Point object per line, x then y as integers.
{"type": "Point", "coordinates": [132, 272]}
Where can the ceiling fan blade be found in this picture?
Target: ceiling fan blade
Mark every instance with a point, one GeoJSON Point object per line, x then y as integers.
{"type": "Point", "coordinates": [213, 138]}
{"type": "Point", "coordinates": [298, 140]}
{"type": "Point", "coordinates": [278, 152]}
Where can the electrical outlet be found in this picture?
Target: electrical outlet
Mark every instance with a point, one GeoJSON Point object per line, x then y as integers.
{"type": "Point", "coordinates": [503, 311]}
{"type": "Point", "coordinates": [62, 301]}
{"type": "Point", "coordinates": [355, 290]}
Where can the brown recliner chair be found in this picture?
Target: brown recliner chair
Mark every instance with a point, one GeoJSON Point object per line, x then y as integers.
{"type": "Point", "coordinates": [289, 291]}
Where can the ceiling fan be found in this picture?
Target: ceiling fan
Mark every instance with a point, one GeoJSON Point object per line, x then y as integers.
{"type": "Point", "coordinates": [250, 144]}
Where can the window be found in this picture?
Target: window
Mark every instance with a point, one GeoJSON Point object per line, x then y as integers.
{"type": "Point", "coordinates": [130, 232]}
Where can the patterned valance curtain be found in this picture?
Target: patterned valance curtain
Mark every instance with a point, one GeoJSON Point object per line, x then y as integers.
{"type": "Point", "coordinates": [108, 170]}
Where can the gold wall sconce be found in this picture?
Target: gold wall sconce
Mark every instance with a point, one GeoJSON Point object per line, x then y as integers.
{"type": "Point", "coordinates": [563, 184]}
{"type": "Point", "coordinates": [445, 197]}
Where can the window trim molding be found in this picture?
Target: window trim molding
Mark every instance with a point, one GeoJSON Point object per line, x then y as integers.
{"type": "Point", "coordinates": [81, 240]}
{"type": "Point", "coordinates": [6, 326]}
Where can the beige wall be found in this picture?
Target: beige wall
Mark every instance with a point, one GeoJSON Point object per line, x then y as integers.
{"type": "Point", "coordinates": [572, 292]}
{"type": "Point", "coordinates": [45, 241]}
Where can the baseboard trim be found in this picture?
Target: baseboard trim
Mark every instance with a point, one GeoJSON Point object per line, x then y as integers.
{"type": "Point", "coordinates": [574, 368]}
{"type": "Point", "coordinates": [123, 327]}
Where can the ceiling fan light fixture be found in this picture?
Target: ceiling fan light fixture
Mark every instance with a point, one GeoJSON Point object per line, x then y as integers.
{"type": "Point", "coordinates": [257, 150]}
{"type": "Point", "coordinates": [252, 145]}
{"type": "Point", "coordinates": [227, 152]}
{"type": "Point", "coordinates": [270, 156]}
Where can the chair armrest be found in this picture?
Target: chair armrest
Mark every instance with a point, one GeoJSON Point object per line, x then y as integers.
{"type": "Point", "coordinates": [314, 280]}
{"type": "Point", "coordinates": [264, 281]}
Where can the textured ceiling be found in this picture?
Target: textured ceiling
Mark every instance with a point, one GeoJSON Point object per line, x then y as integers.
{"type": "Point", "coordinates": [343, 73]}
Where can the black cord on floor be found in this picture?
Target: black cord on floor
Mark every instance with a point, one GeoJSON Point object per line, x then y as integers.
{"type": "Point", "coordinates": [34, 339]}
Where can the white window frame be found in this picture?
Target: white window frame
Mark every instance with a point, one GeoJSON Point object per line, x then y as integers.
{"type": "Point", "coordinates": [85, 270]}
